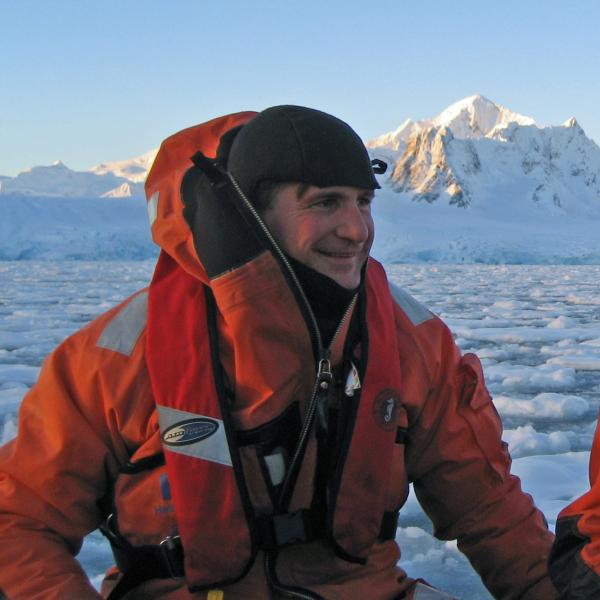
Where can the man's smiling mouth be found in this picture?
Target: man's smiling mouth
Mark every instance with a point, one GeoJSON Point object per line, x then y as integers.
{"type": "Point", "coordinates": [346, 254]}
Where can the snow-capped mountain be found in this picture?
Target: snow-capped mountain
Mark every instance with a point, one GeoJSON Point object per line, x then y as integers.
{"type": "Point", "coordinates": [473, 117]}
{"type": "Point", "coordinates": [477, 152]}
{"type": "Point", "coordinates": [134, 169]}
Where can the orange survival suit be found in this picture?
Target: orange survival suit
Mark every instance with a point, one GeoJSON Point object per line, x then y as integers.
{"type": "Point", "coordinates": [575, 556]}
{"type": "Point", "coordinates": [123, 430]}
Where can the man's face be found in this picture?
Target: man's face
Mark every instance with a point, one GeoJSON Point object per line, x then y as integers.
{"type": "Point", "coordinates": [328, 229]}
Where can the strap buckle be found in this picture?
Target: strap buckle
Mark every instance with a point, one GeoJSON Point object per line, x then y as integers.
{"type": "Point", "coordinates": [172, 552]}
{"type": "Point", "coordinates": [290, 528]}
{"type": "Point", "coordinates": [283, 529]}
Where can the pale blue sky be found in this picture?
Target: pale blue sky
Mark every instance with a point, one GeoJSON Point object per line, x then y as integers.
{"type": "Point", "coordinates": [91, 81]}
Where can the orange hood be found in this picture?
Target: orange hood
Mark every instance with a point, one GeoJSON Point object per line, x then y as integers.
{"type": "Point", "coordinates": [165, 207]}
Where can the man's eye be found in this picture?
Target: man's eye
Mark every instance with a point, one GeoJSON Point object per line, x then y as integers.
{"type": "Point", "coordinates": [365, 200]}
{"type": "Point", "coordinates": [327, 202]}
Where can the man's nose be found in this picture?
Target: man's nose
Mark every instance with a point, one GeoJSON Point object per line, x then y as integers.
{"type": "Point", "coordinates": [353, 224]}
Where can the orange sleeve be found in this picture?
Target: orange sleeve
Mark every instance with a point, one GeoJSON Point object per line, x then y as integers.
{"type": "Point", "coordinates": [54, 475]}
{"type": "Point", "coordinates": [575, 557]}
{"type": "Point", "coordinates": [461, 473]}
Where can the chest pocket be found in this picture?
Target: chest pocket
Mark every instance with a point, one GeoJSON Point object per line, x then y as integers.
{"type": "Point", "coordinates": [265, 452]}
{"type": "Point", "coordinates": [398, 485]}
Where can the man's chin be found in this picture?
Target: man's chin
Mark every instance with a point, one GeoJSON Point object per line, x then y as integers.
{"type": "Point", "coordinates": [346, 280]}
{"type": "Point", "coordinates": [345, 272]}
{"type": "Point", "coordinates": [348, 276]}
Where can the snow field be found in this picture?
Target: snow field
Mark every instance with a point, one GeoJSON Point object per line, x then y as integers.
{"type": "Point", "coordinates": [41, 228]}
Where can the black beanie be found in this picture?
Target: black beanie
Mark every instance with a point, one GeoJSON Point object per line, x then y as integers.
{"type": "Point", "coordinates": [296, 144]}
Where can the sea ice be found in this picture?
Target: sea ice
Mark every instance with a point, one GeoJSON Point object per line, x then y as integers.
{"type": "Point", "coordinates": [524, 378]}
{"type": "Point", "coordinates": [502, 312]}
{"type": "Point", "coordinates": [543, 406]}
{"type": "Point", "coordinates": [526, 441]}
{"type": "Point", "coordinates": [581, 361]}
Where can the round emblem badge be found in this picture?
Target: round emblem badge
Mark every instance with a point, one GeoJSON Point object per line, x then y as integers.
{"type": "Point", "coordinates": [385, 409]}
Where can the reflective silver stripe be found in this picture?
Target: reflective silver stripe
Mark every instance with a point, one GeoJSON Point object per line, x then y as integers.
{"type": "Point", "coordinates": [415, 311]}
{"type": "Point", "coordinates": [213, 448]}
{"type": "Point", "coordinates": [152, 207]}
{"type": "Point", "coordinates": [122, 333]}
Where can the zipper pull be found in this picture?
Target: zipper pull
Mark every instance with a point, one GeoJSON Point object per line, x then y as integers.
{"type": "Point", "coordinates": [324, 375]}
{"type": "Point", "coordinates": [324, 381]}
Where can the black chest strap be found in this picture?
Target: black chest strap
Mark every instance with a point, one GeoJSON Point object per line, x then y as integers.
{"type": "Point", "coordinates": [141, 563]}
{"type": "Point", "coordinates": [165, 560]}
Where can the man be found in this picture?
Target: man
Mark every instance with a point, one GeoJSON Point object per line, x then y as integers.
{"type": "Point", "coordinates": [248, 426]}
{"type": "Point", "coordinates": [575, 556]}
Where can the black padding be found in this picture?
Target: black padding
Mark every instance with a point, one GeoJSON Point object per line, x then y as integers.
{"type": "Point", "coordinates": [144, 464]}
{"type": "Point", "coordinates": [389, 524]}
{"type": "Point", "coordinates": [225, 144]}
{"type": "Point", "coordinates": [571, 576]}
{"type": "Point", "coordinates": [141, 563]}
{"type": "Point", "coordinates": [401, 433]}
{"type": "Point", "coordinates": [216, 175]}
{"type": "Point", "coordinates": [224, 235]}
{"type": "Point", "coordinates": [280, 530]}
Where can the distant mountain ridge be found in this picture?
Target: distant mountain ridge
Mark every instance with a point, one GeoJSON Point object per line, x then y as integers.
{"type": "Point", "coordinates": [118, 179]}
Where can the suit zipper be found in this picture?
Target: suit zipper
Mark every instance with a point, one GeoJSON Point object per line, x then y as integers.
{"type": "Point", "coordinates": [313, 327]}
{"type": "Point", "coordinates": [319, 395]}
{"type": "Point", "coordinates": [323, 364]}
{"type": "Point", "coordinates": [320, 391]}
